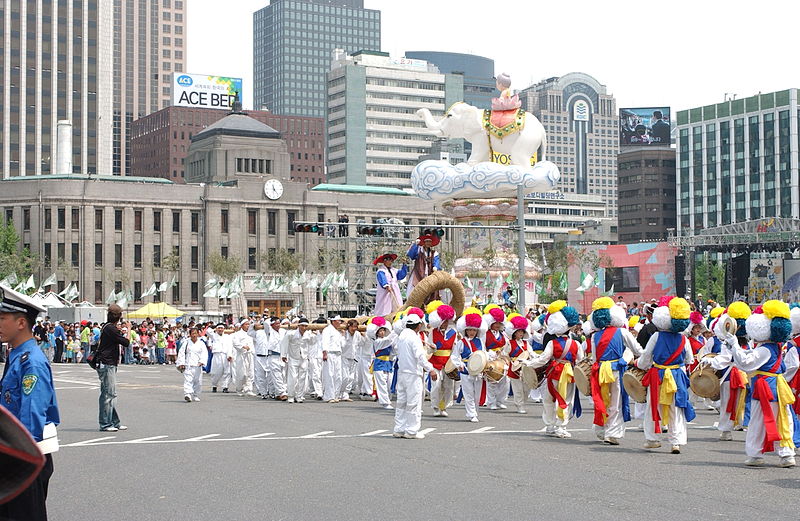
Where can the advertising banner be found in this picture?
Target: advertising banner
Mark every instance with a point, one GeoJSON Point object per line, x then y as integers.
{"type": "Point", "coordinates": [203, 91]}
{"type": "Point", "coordinates": [644, 126]}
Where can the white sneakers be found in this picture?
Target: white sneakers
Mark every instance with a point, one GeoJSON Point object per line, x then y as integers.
{"type": "Point", "coordinates": [787, 462]}
{"type": "Point", "coordinates": [561, 432]}
{"type": "Point", "coordinates": [652, 444]}
{"type": "Point", "coordinates": [754, 462]}
{"type": "Point", "coordinates": [473, 419]}
{"type": "Point", "coordinates": [521, 411]}
{"type": "Point", "coordinates": [415, 436]}
{"type": "Point", "coordinates": [726, 436]}
{"type": "Point", "coordinates": [676, 449]}
{"type": "Point", "coordinates": [388, 407]}
{"type": "Point", "coordinates": [611, 441]}
{"type": "Point", "coordinates": [196, 398]}
{"type": "Point", "coordinates": [188, 398]}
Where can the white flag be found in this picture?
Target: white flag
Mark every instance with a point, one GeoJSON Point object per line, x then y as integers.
{"type": "Point", "coordinates": [49, 281]}
{"type": "Point", "coordinates": [211, 291]}
{"type": "Point", "coordinates": [224, 290]}
{"type": "Point", "coordinates": [150, 291]}
{"type": "Point", "coordinates": [10, 280]}
{"type": "Point", "coordinates": [112, 297]}
{"type": "Point", "coordinates": [29, 284]}
{"type": "Point", "coordinates": [587, 281]}
{"type": "Point", "coordinates": [73, 293]}
{"type": "Point", "coordinates": [211, 282]}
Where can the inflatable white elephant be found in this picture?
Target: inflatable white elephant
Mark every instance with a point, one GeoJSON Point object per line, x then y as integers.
{"type": "Point", "coordinates": [465, 121]}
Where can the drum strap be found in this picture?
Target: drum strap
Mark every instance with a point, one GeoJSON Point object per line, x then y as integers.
{"type": "Point", "coordinates": [674, 356]}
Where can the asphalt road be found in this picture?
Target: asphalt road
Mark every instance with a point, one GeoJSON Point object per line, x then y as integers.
{"type": "Point", "coordinates": [229, 458]}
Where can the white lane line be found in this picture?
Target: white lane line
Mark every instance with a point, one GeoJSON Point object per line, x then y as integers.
{"type": "Point", "coordinates": [75, 387]}
{"type": "Point", "coordinates": [145, 440]}
{"type": "Point", "coordinates": [203, 437]}
{"type": "Point", "coordinates": [373, 433]}
{"type": "Point", "coordinates": [81, 382]}
{"type": "Point", "coordinates": [427, 431]}
{"type": "Point", "coordinates": [88, 442]}
{"type": "Point", "coordinates": [315, 435]}
{"type": "Point", "coordinates": [255, 436]}
{"type": "Point", "coordinates": [480, 430]}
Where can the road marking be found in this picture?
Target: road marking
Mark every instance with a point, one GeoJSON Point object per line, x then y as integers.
{"type": "Point", "coordinates": [482, 429]}
{"type": "Point", "coordinates": [75, 387]}
{"type": "Point", "coordinates": [145, 440]}
{"type": "Point", "coordinates": [88, 442]}
{"type": "Point", "coordinates": [255, 436]}
{"type": "Point", "coordinates": [315, 435]}
{"type": "Point", "coordinates": [373, 433]}
{"type": "Point", "coordinates": [80, 382]}
{"type": "Point", "coordinates": [199, 438]}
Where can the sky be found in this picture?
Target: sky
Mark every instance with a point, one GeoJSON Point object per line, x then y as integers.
{"type": "Point", "coordinates": [677, 53]}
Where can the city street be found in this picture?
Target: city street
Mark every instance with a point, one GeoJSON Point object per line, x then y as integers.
{"type": "Point", "coordinates": [229, 457]}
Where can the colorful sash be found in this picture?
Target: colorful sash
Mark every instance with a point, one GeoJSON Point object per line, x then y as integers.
{"type": "Point", "coordinates": [602, 377]}
{"type": "Point", "coordinates": [561, 371]}
{"type": "Point", "coordinates": [762, 391]}
{"type": "Point", "coordinates": [664, 388]}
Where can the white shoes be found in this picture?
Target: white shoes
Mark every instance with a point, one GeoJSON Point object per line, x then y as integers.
{"type": "Point", "coordinates": [755, 462]}
{"type": "Point", "coordinates": [652, 444]}
{"type": "Point", "coordinates": [122, 428]}
{"type": "Point", "coordinates": [443, 414]}
{"type": "Point", "coordinates": [611, 441]}
{"type": "Point", "coordinates": [397, 435]}
{"type": "Point", "coordinates": [473, 419]}
{"type": "Point", "coordinates": [250, 393]}
{"type": "Point", "coordinates": [676, 449]}
{"type": "Point", "coordinates": [188, 398]}
{"type": "Point", "coordinates": [502, 406]}
{"type": "Point", "coordinates": [437, 413]}
{"type": "Point", "coordinates": [196, 398]}
{"type": "Point", "coordinates": [492, 407]}
{"type": "Point", "coordinates": [563, 433]}
{"type": "Point", "coordinates": [726, 436]}
{"type": "Point", "coordinates": [415, 436]}
{"type": "Point", "coordinates": [388, 407]}
{"type": "Point", "coordinates": [521, 411]}
{"type": "Point", "coordinates": [787, 462]}
{"type": "Point", "coordinates": [550, 431]}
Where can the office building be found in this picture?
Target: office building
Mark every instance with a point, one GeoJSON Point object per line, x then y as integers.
{"type": "Point", "coordinates": [738, 161]}
{"type": "Point", "coordinates": [160, 141]}
{"type": "Point", "coordinates": [646, 197]}
{"type": "Point", "coordinates": [582, 126]}
{"type": "Point", "coordinates": [374, 135]}
{"type": "Point", "coordinates": [56, 65]}
{"type": "Point", "coordinates": [149, 46]}
{"type": "Point", "coordinates": [478, 72]}
{"type": "Point", "coordinates": [113, 233]}
{"type": "Point", "coordinates": [98, 64]}
{"type": "Point", "coordinates": [552, 216]}
{"type": "Point", "coordinates": [292, 45]}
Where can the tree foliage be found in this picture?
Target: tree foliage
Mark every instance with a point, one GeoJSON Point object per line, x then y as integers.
{"type": "Point", "coordinates": [12, 260]}
{"type": "Point", "coordinates": [280, 261]}
{"type": "Point", "coordinates": [556, 260]}
{"type": "Point", "coordinates": [225, 268]}
{"type": "Point", "coordinates": [709, 279]}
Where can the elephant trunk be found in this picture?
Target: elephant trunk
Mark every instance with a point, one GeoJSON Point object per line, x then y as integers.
{"type": "Point", "coordinates": [431, 123]}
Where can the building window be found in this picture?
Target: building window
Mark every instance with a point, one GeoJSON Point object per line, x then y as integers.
{"type": "Point", "coordinates": [98, 291]}
{"type": "Point", "coordinates": [118, 220]}
{"type": "Point", "coordinates": [98, 255]}
{"type": "Point", "coordinates": [137, 291]}
{"type": "Point", "coordinates": [223, 221]}
{"type": "Point", "coordinates": [290, 217]}
{"type": "Point", "coordinates": [195, 258]}
{"type": "Point", "coordinates": [195, 222]}
{"type": "Point", "coordinates": [98, 219]}
{"type": "Point", "coordinates": [224, 252]}
{"type": "Point", "coordinates": [137, 220]}
{"type": "Point", "coordinates": [61, 253]}
{"type": "Point", "coordinates": [272, 224]}
{"type": "Point", "coordinates": [137, 256]}
{"type": "Point", "coordinates": [62, 217]}
{"type": "Point", "coordinates": [176, 293]}
{"type": "Point", "coordinates": [156, 255]}
{"type": "Point", "coordinates": [76, 219]}
{"type": "Point", "coordinates": [48, 219]}
{"type": "Point", "coordinates": [48, 252]}
{"type": "Point", "coordinates": [26, 219]}
{"type": "Point", "coordinates": [195, 292]}
{"type": "Point", "coordinates": [75, 254]}
{"type": "Point", "coordinates": [252, 219]}
{"type": "Point", "coordinates": [117, 255]}
{"type": "Point", "coordinates": [251, 258]}
{"type": "Point", "coordinates": [156, 221]}
{"type": "Point", "coordinates": [176, 222]}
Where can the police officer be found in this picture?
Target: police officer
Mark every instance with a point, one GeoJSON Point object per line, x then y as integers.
{"type": "Point", "coordinates": [27, 392]}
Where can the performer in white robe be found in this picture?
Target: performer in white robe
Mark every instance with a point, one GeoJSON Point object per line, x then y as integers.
{"type": "Point", "coordinates": [388, 296]}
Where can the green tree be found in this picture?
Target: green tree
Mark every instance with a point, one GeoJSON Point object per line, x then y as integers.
{"type": "Point", "coordinates": [23, 263]}
{"type": "Point", "coordinates": [709, 279]}
{"type": "Point", "coordinates": [280, 261]}
{"type": "Point", "coordinates": [225, 268]}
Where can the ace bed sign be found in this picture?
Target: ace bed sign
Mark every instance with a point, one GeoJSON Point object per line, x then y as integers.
{"type": "Point", "coordinates": [203, 91]}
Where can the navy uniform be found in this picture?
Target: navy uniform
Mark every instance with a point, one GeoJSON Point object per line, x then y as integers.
{"type": "Point", "coordinates": [27, 391]}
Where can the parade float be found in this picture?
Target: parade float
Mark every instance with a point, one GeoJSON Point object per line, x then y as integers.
{"type": "Point", "coordinates": [508, 151]}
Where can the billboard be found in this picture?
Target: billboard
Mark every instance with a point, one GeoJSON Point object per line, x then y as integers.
{"type": "Point", "coordinates": [204, 91]}
{"type": "Point", "coordinates": [647, 126]}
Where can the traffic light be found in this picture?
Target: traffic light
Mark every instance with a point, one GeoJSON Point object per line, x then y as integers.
{"type": "Point", "coordinates": [370, 230]}
{"type": "Point", "coordinates": [438, 232]}
{"type": "Point", "coordinates": [313, 228]}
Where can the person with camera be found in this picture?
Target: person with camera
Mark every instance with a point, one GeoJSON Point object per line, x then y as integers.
{"type": "Point", "coordinates": [105, 362]}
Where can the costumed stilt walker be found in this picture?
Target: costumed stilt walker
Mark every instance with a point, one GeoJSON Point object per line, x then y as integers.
{"type": "Point", "coordinates": [665, 359]}
{"type": "Point", "coordinates": [559, 355]}
{"type": "Point", "coordinates": [612, 348]}
{"type": "Point", "coordinates": [517, 350]}
{"type": "Point", "coordinates": [426, 261]}
{"type": "Point", "coordinates": [470, 358]}
{"type": "Point", "coordinates": [718, 356]}
{"type": "Point", "coordinates": [771, 418]}
{"type": "Point", "coordinates": [383, 339]}
{"type": "Point", "coordinates": [496, 342]}
{"type": "Point", "coordinates": [443, 336]}
{"type": "Point", "coordinates": [388, 297]}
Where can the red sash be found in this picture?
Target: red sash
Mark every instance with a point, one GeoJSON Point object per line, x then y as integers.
{"type": "Point", "coordinates": [696, 347]}
{"type": "Point", "coordinates": [763, 393]}
{"type": "Point", "coordinates": [557, 367]}
{"type": "Point", "coordinates": [517, 347]}
{"type": "Point", "coordinates": [600, 412]}
{"type": "Point", "coordinates": [652, 380]}
{"type": "Point", "coordinates": [737, 385]}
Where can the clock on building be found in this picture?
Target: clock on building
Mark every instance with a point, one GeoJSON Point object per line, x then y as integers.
{"type": "Point", "coordinates": [273, 189]}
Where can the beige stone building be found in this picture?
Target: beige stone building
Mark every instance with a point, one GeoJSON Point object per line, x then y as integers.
{"type": "Point", "coordinates": [111, 233]}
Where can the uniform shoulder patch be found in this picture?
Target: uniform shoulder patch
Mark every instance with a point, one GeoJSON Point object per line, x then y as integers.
{"type": "Point", "coordinates": [29, 382]}
{"type": "Point", "coordinates": [24, 358]}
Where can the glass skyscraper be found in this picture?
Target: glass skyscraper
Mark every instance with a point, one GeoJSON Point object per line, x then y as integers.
{"type": "Point", "coordinates": [737, 161]}
{"type": "Point", "coordinates": [292, 45]}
